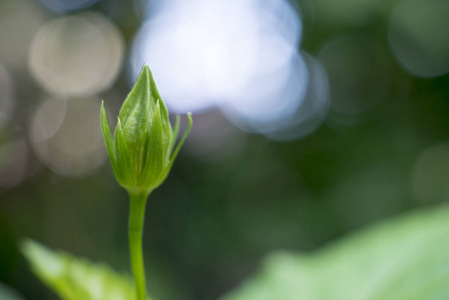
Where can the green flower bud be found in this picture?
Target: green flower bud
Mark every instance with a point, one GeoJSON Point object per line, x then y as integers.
{"type": "Point", "coordinates": [142, 149]}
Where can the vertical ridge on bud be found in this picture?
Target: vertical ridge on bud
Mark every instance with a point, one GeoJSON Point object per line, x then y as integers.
{"type": "Point", "coordinates": [122, 155]}
{"type": "Point", "coordinates": [139, 93]}
{"type": "Point", "coordinates": [156, 160]}
{"type": "Point", "coordinates": [155, 96]}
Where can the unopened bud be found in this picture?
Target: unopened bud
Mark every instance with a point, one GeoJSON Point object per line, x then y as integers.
{"type": "Point", "coordinates": [142, 149]}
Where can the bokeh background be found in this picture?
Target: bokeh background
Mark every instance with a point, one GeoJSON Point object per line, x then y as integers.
{"type": "Point", "coordinates": [312, 119]}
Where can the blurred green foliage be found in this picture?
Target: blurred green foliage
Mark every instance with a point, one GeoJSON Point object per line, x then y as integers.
{"type": "Point", "coordinates": [404, 258]}
{"type": "Point", "coordinates": [74, 279]}
{"type": "Point", "coordinates": [7, 294]}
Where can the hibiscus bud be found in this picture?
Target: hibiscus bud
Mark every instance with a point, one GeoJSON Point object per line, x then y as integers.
{"type": "Point", "coordinates": [142, 148]}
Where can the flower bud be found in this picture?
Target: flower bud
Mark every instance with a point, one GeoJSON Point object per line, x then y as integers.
{"type": "Point", "coordinates": [142, 148]}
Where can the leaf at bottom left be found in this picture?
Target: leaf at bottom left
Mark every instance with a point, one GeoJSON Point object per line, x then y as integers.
{"type": "Point", "coordinates": [74, 278]}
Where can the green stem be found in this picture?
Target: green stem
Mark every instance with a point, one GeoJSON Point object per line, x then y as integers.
{"type": "Point", "coordinates": [135, 230]}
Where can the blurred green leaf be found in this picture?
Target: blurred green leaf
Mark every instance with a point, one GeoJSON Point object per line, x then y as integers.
{"type": "Point", "coordinates": [405, 258]}
{"type": "Point", "coordinates": [8, 294]}
{"type": "Point", "coordinates": [74, 278]}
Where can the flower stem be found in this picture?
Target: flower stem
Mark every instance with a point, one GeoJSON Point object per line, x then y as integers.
{"type": "Point", "coordinates": [135, 230]}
